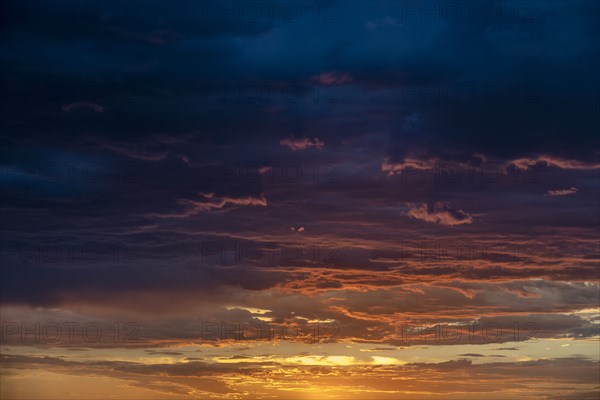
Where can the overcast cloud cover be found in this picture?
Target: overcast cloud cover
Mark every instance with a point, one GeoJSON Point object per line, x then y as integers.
{"type": "Point", "coordinates": [402, 194]}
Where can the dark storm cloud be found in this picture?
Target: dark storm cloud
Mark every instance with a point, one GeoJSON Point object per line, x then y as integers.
{"type": "Point", "coordinates": [152, 68]}
{"type": "Point", "coordinates": [158, 128]}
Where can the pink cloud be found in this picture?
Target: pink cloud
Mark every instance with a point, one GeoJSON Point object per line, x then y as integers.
{"type": "Point", "coordinates": [562, 192]}
{"type": "Point", "coordinates": [526, 163]}
{"type": "Point", "coordinates": [408, 163]}
{"type": "Point", "coordinates": [302, 143]}
{"type": "Point", "coordinates": [429, 164]}
{"type": "Point", "coordinates": [439, 213]}
{"type": "Point", "coordinates": [209, 201]}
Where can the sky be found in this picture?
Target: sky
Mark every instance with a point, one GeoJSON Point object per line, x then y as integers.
{"type": "Point", "coordinates": [300, 200]}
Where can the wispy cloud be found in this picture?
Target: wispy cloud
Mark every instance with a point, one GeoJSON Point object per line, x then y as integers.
{"type": "Point", "coordinates": [302, 143]}
{"type": "Point", "coordinates": [551, 161]}
{"type": "Point", "coordinates": [562, 192]}
{"type": "Point", "coordinates": [439, 213]}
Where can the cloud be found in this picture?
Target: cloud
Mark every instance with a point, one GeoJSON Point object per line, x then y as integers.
{"type": "Point", "coordinates": [302, 144]}
{"type": "Point", "coordinates": [427, 100]}
{"type": "Point", "coordinates": [220, 379]}
{"type": "Point", "coordinates": [439, 213]}
{"type": "Point", "coordinates": [211, 201]}
{"type": "Point", "coordinates": [550, 161]}
{"type": "Point", "coordinates": [164, 353]}
{"type": "Point", "coordinates": [562, 192]}
{"type": "Point", "coordinates": [407, 165]}
{"type": "Point", "coordinates": [379, 349]}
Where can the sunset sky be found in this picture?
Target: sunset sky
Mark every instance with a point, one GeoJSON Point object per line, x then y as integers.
{"type": "Point", "coordinates": [300, 200]}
